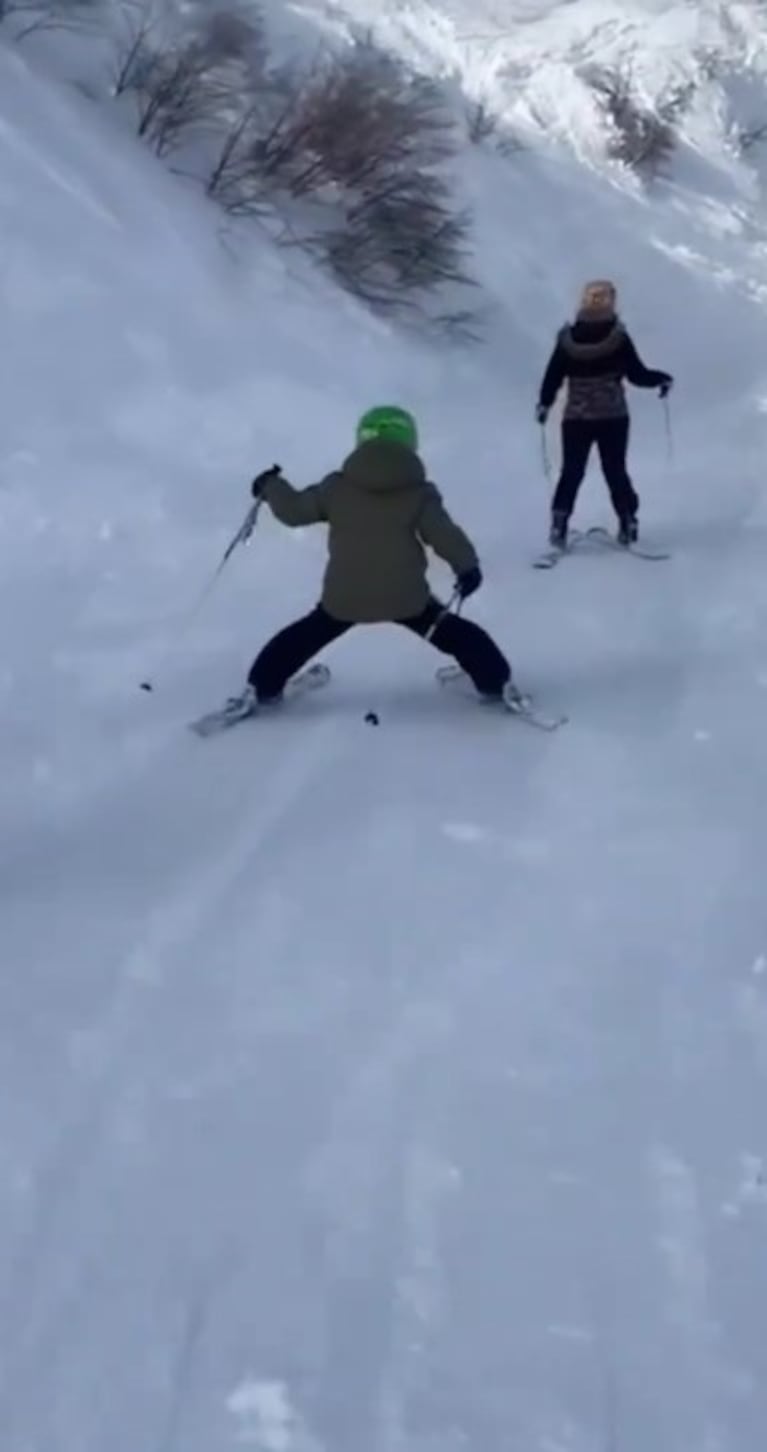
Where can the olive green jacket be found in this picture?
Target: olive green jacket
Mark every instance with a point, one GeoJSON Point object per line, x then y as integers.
{"type": "Point", "coordinates": [381, 511]}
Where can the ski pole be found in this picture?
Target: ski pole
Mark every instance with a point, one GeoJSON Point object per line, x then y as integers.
{"type": "Point", "coordinates": [669, 433]}
{"type": "Point", "coordinates": [545, 452]}
{"type": "Point", "coordinates": [241, 537]}
{"type": "Point", "coordinates": [455, 601]}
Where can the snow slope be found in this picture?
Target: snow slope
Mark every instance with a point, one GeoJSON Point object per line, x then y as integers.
{"type": "Point", "coordinates": [525, 58]}
{"type": "Point", "coordinates": [396, 1090]}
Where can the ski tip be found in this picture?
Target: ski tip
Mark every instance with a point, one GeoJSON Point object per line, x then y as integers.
{"type": "Point", "coordinates": [531, 717]}
{"type": "Point", "coordinates": [548, 559]}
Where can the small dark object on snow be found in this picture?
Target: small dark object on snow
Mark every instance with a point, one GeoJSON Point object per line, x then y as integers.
{"type": "Point", "coordinates": [146, 685]}
{"type": "Point", "coordinates": [372, 719]}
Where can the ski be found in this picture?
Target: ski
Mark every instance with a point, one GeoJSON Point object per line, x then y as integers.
{"type": "Point", "coordinates": [597, 535]}
{"type": "Point", "coordinates": [603, 537]}
{"type": "Point", "coordinates": [549, 558]}
{"type": "Point", "coordinates": [243, 707]}
{"type": "Point", "coordinates": [522, 707]}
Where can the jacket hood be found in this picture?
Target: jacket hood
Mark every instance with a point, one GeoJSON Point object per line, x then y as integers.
{"type": "Point", "coordinates": [591, 337]}
{"type": "Point", "coordinates": [381, 466]}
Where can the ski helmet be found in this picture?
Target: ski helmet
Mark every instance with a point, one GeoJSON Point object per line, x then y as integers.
{"type": "Point", "coordinates": [388, 422]}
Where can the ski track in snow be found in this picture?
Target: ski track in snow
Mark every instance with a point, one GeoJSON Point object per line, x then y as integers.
{"type": "Point", "coordinates": [393, 1089]}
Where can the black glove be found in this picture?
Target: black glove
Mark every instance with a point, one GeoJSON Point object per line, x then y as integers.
{"type": "Point", "coordinates": [262, 479]}
{"type": "Point", "coordinates": [469, 581]}
{"type": "Point", "coordinates": [666, 387]}
{"type": "Point", "coordinates": [541, 413]}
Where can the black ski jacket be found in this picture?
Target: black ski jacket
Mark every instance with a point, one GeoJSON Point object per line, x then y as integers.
{"type": "Point", "coordinates": [595, 358]}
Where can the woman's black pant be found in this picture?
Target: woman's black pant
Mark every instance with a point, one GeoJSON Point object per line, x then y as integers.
{"type": "Point", "coordinates": [471, 646]}
{"type": "Point", "coordinates": [611, 437]}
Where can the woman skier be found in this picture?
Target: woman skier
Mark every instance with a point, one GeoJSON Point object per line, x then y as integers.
{"type": "Point", "coordinates": [594, 354]}
{"type": "Point", "coordinates": [381, 510]}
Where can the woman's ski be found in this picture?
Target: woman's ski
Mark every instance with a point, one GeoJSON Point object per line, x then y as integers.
{"type": "Point", "coordinates": [602, 536]}
{"type": "Point", "coordinates": [599, 536]}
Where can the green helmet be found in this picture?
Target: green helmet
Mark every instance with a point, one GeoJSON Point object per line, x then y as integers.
{"type": "Point", "coordinates": [388, 422]}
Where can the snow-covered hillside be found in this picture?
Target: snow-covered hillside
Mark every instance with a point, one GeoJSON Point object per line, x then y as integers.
{"type": "Point", "coordinates": [526, 57]}
{"type": "Point", "coordinates": [392, 1090]}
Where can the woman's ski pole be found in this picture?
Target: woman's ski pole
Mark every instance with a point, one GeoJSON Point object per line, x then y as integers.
{"type": "Point", "coordinates": [545, 452]}
{"type": "Point", "coordinates": [669, 433]}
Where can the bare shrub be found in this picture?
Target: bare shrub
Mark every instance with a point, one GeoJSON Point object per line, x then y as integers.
{"type": "Point", "coordinates": [28, 16]}
{"type": "Point", "coordinates": [235, 40]}
{"type": "Point", "coordinates": [133, 48]}
{"type": "Point", "coordinates": [459, 325]}
{"type": "Point", "coordinates": [509, 144]}
{"type": "Point", "coordinates": [236, 176]}
{"type": "Point", "coordinates": [351, 120]}
{"type": "Point", "coordinates": [184, 87]}
{"type": "Point", "coordinates": [481, 122]}
{"type": "Point", "coordinates": [177, 94]}
{"type": "Point", "coordinates": [641, 138]}
{"type": "Point", "coordinates": [233, 182]}
{"type": "Point", "coordinates": [374, 139]}
{"type": "Point", "coordinates": [346, 155]}
{"type": "Point", "coordinates": [350, 154]}
{"type": "Point", "coordinates": [395, 248]}
{"type": "Point", "coordinates": [747, 137]}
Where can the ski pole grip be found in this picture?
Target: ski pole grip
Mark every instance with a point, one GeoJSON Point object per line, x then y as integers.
{"type": "Point", "coordinates": [263, 478]}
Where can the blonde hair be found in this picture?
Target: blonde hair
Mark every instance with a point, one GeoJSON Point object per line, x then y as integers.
{"type": "Point", "coordinates": [599, 296]}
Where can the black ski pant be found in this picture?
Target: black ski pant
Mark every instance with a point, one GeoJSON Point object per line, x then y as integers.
{"type": "Point", "coordinates": [611, 436]}
{"type": "Point", "coordinates": [292, 647]}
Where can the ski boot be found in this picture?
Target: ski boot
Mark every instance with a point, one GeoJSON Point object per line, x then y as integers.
{"type": "Point", "coordinates": [248, 703]}
{"type": "Point", "coordinates": [628, 530]}
{"type": "Point", "coordinates": [514, 700]}
{"type": "Point", "coordinates": [558, 530]}
{"type": "Point", "coordinates": [508, 695]}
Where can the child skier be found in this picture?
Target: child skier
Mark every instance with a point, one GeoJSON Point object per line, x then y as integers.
{"type": "Point", "coordinates": [381, 510]}
{"type": "Point", "coordinates": [594, 355]}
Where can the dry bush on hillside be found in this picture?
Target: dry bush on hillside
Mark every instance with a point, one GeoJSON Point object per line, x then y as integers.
{"type": "Point", "coordinates": [184, 86]}
{"type": "Point", "coordinates": [394, 250]}
{"type": "Point", "coordinates": [360, 142]}
{"type": "Point", "coordinates": [347, 154]}
{"type": "Point", "coordinates": [27, 16]}
{"type": "Point", "coordinates": [642, 138]}
{"type": "Point", "coordinates": [747, 137]}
